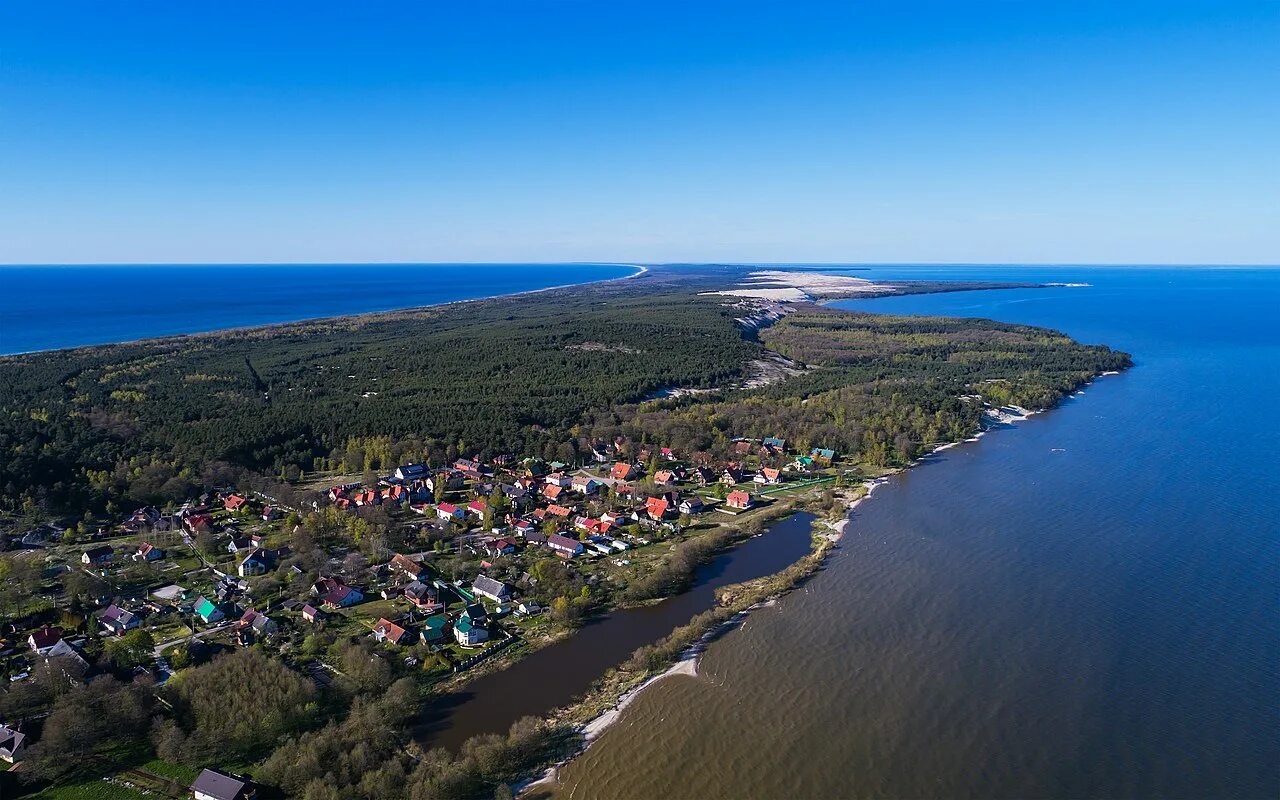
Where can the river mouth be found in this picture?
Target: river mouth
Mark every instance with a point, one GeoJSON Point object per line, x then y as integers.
{"type": "Point", "coordinates": [558, 674]}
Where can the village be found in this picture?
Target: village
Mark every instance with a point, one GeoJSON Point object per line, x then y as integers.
{"type": "Point", "coordinates": [496, 554]}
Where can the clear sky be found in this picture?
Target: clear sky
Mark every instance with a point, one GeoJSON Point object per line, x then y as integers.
{"type": "Point", "coordinates": [485, 130]}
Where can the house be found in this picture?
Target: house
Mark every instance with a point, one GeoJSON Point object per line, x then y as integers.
{"type": "Point", "coordinates": [769, 476]}
{"type": "Point", "coordinates": [691, 505]}
{"type": "Point", "coordinates": [623, 471]}
{"type": "Point", "coordinates": [269, 513]}
{"type": "Point", "coordinates": [558, 479]}
{"type": "Point", "coordinates": [234, 502]}
{"type": "Point", "coordinates": [45, 639]}
{"type": "Point", "coordinates": [667, 453]}
{"type": "Point", "coordinates": [559, 511]}
{"type": "Point", "coordinates": [312, 614]}
{"type": "Point", "coordinates": [12, 744]}
{"type": "Point", "coordinates": [478, 508]}
{"type": "Point", "coordinates": [823, 456]}
{"type": "Point", "coordinates": [388, 631]}
{"type": "Point", "coordinates": [410, 472]}
{"type": "Point", "coordinates": [448, 511]}
{"type": "Point", "coordinates": [258, 562]}
{"type": "Point", "coordinates": [468, 633]}
{"type": "Point", "coordinates": [118, 620]}
{"type": "Point", "coordinates": [704, 476]}
{"type": "Point", "coordinates": [528, 607]}
{"type": "Point", "coordinates": [409, 568]}
{"type": "Point", "coordinates": [742, 447]}
{"type": "Point", "coordinates": [802, 464]}
{"type": "Point", "coordinates": [475, 613]}
{"type": "Point", "coordinates": [207, 610]}
{"type": "Point", "coordinates": [239, 543]}
{"type": "Point", "coordinates": [64, 650]}
{"type": "Point", "coordinates": [469, 467]}
{"type": "Point", "coordinates": [585, 484]}
{"type": "Point", "coordinates": [775, 443]}
{"type": "Point", "coordinates": [259, 623]}
{"type": "Point", "coordinates": [731, 476]}
{"type": "Point", "coordinates": [664, 477]}
{"type": "Point", "coordinates": [552, 492]}
{"type": "Point", "coordinates": [656, 507]}
{"type": "Point", "coordinates": [148, 552]}
{"type": "Point", "coordinates": [336, 594]}
{"type": "Point", "coordinates": [500, 547]}
{"type": "Point", "coordinates": [423, 596]}
{"type": "Point", "coordinates": [495, 590]}
{"type": "Point", "coordinates": [197, 523]}
{"type": "Point", "coordinates": [739, 500]}
{"type": "Point", "coordinates": [564, 545]}
{"type": "Point", "coordinates": [213, 784]}
{"type": "Point", "coordinates": [447, 478]}
{"type": "Point", "coordinates": [98, 555]}
{"type": "Point", "coordinates": [434, 629]}
{"type": "Point", "coordinates": [523, 527]}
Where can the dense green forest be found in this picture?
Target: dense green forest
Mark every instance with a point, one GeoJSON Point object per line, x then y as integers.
{"type": "Point", "coordinates": [510, 375]}
{"type": "Point", "coordinates": [876, 387]}
{"type": "Point", "coordinates": [540, 375]}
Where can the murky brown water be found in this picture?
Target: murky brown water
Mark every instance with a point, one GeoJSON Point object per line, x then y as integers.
{"type": "Point", "coordinates": [554, 676]}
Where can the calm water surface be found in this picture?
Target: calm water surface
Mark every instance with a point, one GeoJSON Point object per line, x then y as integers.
{"type": "Point", "coordinates": [553, 676]}
{"type": "Point", "coordinates": [45, 308]}
{"type": "Point", "coordinates": [1086, 605]}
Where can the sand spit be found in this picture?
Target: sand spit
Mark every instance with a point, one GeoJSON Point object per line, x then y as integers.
{"type": "Point", "coordinates": [783, 286]}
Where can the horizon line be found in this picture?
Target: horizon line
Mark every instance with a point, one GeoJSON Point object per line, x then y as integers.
{"type": "Point", "coordinates": [715, 263]}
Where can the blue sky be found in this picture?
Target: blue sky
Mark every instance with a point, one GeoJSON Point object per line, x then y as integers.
{"type": "Point", "coordinates": [650, 131]}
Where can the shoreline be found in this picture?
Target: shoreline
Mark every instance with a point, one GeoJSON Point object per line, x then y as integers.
{"type": "Point", "coordinates": [687, 662]}
{"type": "Point", "coordinates": [641, 270]}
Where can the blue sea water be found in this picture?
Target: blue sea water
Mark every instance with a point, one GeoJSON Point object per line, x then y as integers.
{"type": "Point", "coordinates": [51, 307]}
{"type": "Point", "coordinates": [1145, 515]}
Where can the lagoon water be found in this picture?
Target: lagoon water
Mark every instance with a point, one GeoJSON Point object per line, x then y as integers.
{"type": "Point", "coordinates": [1086, 604]}
{"type": "Point", "coordinates": [50, 307]}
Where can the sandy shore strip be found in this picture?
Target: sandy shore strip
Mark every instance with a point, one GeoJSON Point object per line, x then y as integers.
{"type": "Point", "coordinates": [784, 286]}
{"type": "Point", "coordinates": [687, 664]}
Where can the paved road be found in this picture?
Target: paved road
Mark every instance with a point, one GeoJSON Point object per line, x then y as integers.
{"type": "Point", "coordinates": [198, 635]}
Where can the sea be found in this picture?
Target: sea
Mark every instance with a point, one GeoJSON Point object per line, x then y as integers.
{"type": "Point", "coordinates": [1085, 604]}
{"type": "Point", "coordinates": [52, 307]}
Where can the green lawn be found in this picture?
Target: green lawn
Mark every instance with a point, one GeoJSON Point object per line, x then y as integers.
{"type": "Point", "coordinates": [92, 790]}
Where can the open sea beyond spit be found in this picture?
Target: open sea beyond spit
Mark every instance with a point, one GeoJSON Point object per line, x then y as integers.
{"type": "Point", "coordinates": [49, 307]}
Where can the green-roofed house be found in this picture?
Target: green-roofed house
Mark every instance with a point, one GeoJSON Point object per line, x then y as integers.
{"type": "Point", "coordinates": [433, 628]}
{"type": "Point", "coordinates": [468, 633]}
{"type": "Point", "coordinates": [823, 455]}
{"type": "Point", "coordinates": [208, 610]}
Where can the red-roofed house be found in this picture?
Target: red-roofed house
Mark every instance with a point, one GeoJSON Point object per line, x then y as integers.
{"type": "Point", "coordinates": [769, 476]}
{"type": "Point", "coordinates": [388, 631]}
{"type": "Point", "coordinates": [739, 500]}
{"type": "Point", "coordinates": [449, 511]}
{"type": "Point", "coordinates": [656, 507]}
{"type": "Point", "coordinates": [45, 639]}
{"type": "Point", "coordinates": [407, 567]}
{"type": "Point", "coordinates": [623, 471]}
{"type": "Point", "coordinates": [235, 502]}
{"type": "Point", "coordinates": [559, 511]}
{"type": "Point", "coordinates": [478, 507]}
